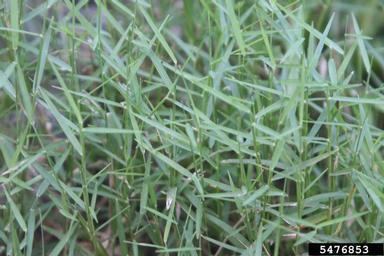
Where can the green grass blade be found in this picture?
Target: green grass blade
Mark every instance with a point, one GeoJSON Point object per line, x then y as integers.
{"type": "Point", "coordinates": [15, 210]}
{"type": "Point", "coordinates": [158, 34]}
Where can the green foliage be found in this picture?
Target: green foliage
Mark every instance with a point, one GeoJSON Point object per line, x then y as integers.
{"type": "Point", "coordinates": [190, 127]}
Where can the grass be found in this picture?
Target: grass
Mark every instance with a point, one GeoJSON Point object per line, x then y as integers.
{"type": "Point", "coordinates": [190, 127]}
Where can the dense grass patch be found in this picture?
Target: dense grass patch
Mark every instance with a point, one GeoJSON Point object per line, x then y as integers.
{"type": "Point", "coordinates": [190, 127]}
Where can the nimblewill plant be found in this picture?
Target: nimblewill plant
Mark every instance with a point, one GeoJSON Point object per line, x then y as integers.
{"type": "Point", "coordinates": [189, 127]}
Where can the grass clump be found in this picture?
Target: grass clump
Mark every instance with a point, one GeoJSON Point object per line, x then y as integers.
{"type": "Point", "coordinates": [189, 127]}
